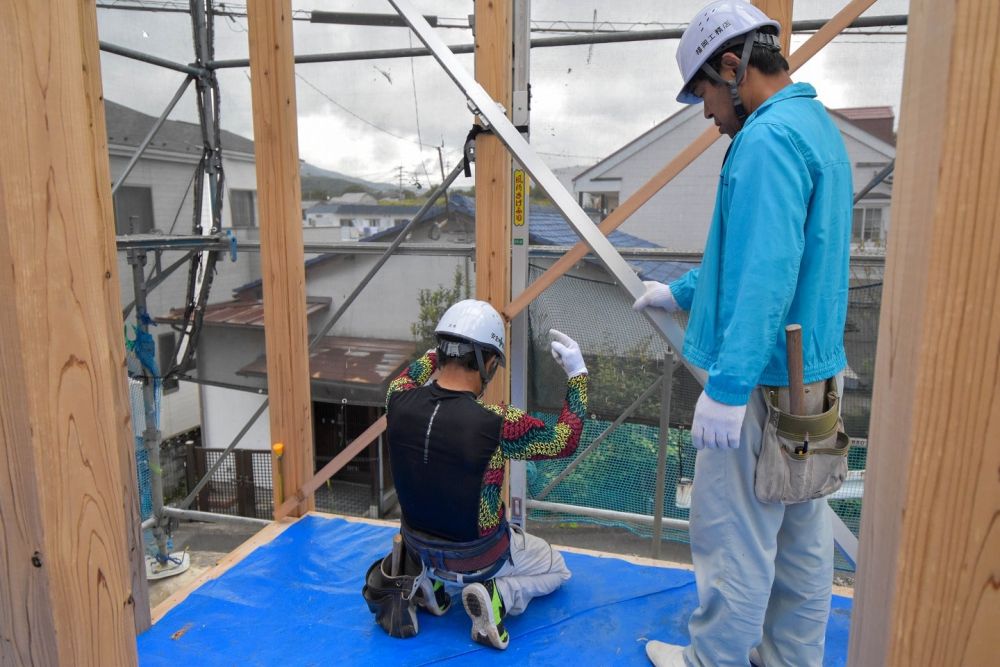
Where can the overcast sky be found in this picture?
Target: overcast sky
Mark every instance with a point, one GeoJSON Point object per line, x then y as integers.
{"type": "Point", "coordinates": [361, 118]}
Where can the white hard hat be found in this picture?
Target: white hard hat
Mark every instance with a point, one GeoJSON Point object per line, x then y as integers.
{"type": "Point", "coordinates": [711, 29]}
{"type": "Point", "coordinates": [475, 322]}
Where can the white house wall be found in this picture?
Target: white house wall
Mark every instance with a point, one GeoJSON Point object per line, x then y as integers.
{"type": "Point", "coordinates": [168, 177]}
{"type": "Point", "coordinates": [677, 217]}
{"type": "Point", "coordinates": [226, 413]}
{"type": "Point", "coordinates": [390, 302]}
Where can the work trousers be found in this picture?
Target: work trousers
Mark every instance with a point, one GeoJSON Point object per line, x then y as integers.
{"type": "Point", "coordinates": [534, 569]}
{"type": "Point", "coordinates": [764, 571]}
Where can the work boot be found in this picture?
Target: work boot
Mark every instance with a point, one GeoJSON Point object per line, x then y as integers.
{"type": "Point", "coordinates": [432, 597]}
{"type": "Point", "coordinates": [662, 654]}
{"type": "Point", "coordinates": [485, 607]}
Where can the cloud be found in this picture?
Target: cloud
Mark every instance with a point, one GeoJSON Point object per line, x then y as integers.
{"type": "Point", "coordinates": [585, 102]}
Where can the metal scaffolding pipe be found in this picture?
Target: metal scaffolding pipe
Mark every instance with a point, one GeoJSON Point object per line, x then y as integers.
{"type": "Point", "coordinates": [195, 515]}
{"type": "Point", "coordinates": [376, 248]}
{"type": "Point", "coordinates": [151, 59]}
{"type": "Point", "coordinates": [895, 20]}
{"type": "Point", "coordinates": [151, 434]}
{"type": "Point", "coordinates": [609, 515]}
{"type": "Point", "coordinates": [149, 136]}
{"type": "Point", "coordinates": [666, 392]}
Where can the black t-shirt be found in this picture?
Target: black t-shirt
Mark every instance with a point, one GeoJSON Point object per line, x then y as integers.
{"type": "Point", "coordinates": [440, 445]}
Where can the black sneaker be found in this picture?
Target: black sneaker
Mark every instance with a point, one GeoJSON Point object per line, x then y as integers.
{"type": "Point", "coordinates": [432, 597]}
{"type": "Point", "coordinates": [486, 609]}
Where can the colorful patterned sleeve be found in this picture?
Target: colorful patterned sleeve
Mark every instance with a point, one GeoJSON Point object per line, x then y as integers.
{"type": "Point", "coordinates": [415, 375]}
{"type": "Point", "coordinates": [527, 438]}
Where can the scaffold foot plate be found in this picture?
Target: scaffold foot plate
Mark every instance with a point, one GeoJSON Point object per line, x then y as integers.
{"type": "Point", "coordinates": [177, 563]}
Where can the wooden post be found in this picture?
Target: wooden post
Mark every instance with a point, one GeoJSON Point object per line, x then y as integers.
{"type": "Point", "coordinates": [65, 581]}
{"type": "Point", "coordinates": [927, 590]}
{"type": "Point", "coordinates": [130, 477]}
{"type": "Point", "coordinates": [780, 11]}
{"type": "Point", "coordinates": [279, 198]}
{"type": "Point", "coordinates": [494, 43]}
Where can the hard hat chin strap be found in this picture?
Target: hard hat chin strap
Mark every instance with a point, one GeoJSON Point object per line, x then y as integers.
{"type": "Point", "coordinates": [484, 375]}
{"type": "Point", "coordinates": [764, 39]}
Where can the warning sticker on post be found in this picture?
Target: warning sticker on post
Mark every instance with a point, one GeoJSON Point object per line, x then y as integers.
{"type": "Point", "coordinates": [519, 192]}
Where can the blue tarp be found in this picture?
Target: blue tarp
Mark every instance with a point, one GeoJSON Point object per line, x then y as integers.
{"type": "Point", "coordinates": [297, 601]}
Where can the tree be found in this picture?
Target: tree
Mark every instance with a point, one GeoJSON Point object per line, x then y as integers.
{"type": "Point", "coordinates": [433, 303]}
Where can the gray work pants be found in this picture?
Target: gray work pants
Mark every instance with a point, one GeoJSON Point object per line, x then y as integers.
{"type": "Point", "coordinates": [763, 571]}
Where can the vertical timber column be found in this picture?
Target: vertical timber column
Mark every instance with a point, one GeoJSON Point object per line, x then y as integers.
{"type": "Point", "coordinates": [65, 585]}
{"type": "Point", "coordinates": [494, 46]}
{"type": "Point", "coordinates": [112, 302]}
{"type": "Point", "coordinates": [927, 591]}
{"type": "Point", "coordinates": [780, 11]}
{"type": "Point", "coordinates": [272, 74]}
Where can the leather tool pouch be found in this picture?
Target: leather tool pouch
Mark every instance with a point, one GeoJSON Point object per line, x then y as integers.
{"type": "Point", "coordinates": [801, 457]}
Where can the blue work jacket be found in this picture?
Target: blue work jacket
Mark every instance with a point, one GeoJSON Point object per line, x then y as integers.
{"type": "Point", "coordinates": [778, 251]}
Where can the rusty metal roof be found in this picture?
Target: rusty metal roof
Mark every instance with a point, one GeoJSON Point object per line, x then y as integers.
{"type": "Point", "coordinates": [243, 312]}
{"type": "Point", "coordinates": [339, 360]}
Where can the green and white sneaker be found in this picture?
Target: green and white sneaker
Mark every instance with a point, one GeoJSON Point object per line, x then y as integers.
{"type": "Point", "coordinates": [485, 607]}
{"type": "Point", "coordinates": [432, 597]}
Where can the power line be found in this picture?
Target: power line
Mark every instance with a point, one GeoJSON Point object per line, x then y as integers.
{"type": "Point", "coordinates": [416, 113]}
{"type": "Point", "coordinates": [361, 118]}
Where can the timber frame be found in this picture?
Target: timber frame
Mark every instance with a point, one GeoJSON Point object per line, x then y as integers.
{"type": "Point", "coordinates": [927, 590]}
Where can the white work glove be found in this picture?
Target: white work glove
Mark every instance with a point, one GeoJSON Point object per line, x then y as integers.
{"type": "Point", "coordinates": [716, 425]}
{"type": "Point", "coordinates": [567, 353]}
{"type": "Point", "coordinates": [657, 295]}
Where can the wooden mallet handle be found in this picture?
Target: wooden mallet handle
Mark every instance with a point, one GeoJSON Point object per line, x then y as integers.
{"type": "Point", "coordinates": [397, 555]}
{"type": "Point", "coordinates": [796, 390]}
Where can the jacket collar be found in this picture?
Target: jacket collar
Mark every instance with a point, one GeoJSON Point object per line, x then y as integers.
{"type": "Point", "coordinates": [788, 92]}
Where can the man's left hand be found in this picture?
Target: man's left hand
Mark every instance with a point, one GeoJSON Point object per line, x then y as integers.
{"type": "Point", "coordinates": [716, 425]}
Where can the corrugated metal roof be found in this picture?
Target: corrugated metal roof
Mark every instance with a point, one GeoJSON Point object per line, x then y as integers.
{"type": "Point", "coordinates": [339, 359]}
{"type": "Point", "coordinates": [858, 113]}
{"type": "Point", "coordinates": [242, 312]}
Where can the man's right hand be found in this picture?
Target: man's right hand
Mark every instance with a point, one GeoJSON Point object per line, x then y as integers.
{"type": "Point", "coordinates": [657, 295]}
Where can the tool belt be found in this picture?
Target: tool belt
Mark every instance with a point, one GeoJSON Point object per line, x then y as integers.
{"type": "Point", "coordinates": [462, 562]}
{"type": "Point", "coordinates": [802, 457]}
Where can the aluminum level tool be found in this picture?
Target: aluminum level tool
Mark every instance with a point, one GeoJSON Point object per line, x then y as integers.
{"type": "Point", "coordinates": [494, 117]}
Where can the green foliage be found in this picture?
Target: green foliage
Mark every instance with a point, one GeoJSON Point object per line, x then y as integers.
{"type": "Point", "coordinates": [616, 381]}
{"type": "Point", "coordinates": [433, 303]}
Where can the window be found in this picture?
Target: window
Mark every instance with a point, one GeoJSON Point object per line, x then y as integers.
{"type": "Point", "coordinates": [244, 207]}
{"type": "Point", "coordinates": [133, 210]}
{"type": "Point", "coordinates": [867, 225]}
{"type": "Point", "coordinates": [605, 202]}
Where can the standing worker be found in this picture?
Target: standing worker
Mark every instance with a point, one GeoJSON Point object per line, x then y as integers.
{"type": "Point", "coordinates": [777, 252]}
{"type": "Point", "coordinates": [448, 451]}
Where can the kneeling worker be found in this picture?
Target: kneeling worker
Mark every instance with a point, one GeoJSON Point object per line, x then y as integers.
{"type": "Point", "coordinates": [448, 451]}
